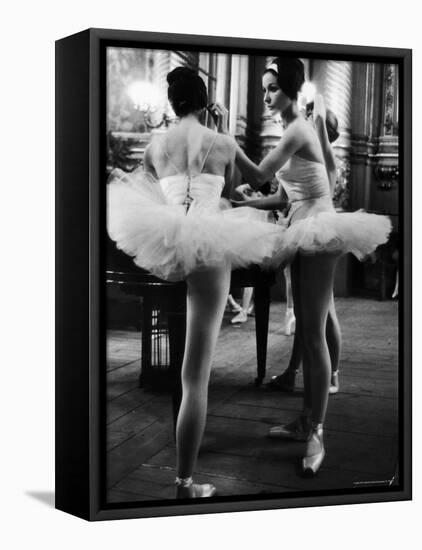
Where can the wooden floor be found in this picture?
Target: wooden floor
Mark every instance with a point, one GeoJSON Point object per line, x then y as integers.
{"type": "Point", "coordinates": [236, 456]}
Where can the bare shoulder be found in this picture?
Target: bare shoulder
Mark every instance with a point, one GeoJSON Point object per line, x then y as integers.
{"type": "Point", "coordinates": [149, 150]}
{"type": "Point", "coordinates": [221, 140]}
{"type": "Point", "coordinates": [155, 147]}
{"type": "Point", "coordinates": [299, 127]}
{"type": "Point", "coordinates": [300, 133]}
{"type": "Point", "coordinates": [226, 143]}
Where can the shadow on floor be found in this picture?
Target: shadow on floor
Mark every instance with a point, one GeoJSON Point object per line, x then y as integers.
{"type": "Point", "coordinates": [45, 497]}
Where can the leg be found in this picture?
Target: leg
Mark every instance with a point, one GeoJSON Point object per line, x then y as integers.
{"type": "Point", "coordinates": [206, 298]}
{"type": "Point", "coordinates": [333, 334]}
{"type": "Point", "coordinates": [262, 313]}
{"type": "Point", "coordinates": [316, 289]}
{"type": "Point", "coordinates": [296, 356]}
{"type": "Point", "coordinates": [231, 302]}
{"type": "Point", "coordinates": [247, 297]}
{"type": "Point", "coordinates": [316, 284]}
{"type": "Point", "coordinates": [289, 321]}
{"type": "Point", "coordinates": [286, 380]}
{"type": "Point", "coordinates": [299, 306]}
{"type": "Point", "coordinates": [289, 292]}
{"type": "Point", "coordinates": [298, 430]}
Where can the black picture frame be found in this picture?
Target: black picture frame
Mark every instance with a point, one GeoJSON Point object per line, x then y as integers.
{"type": "Point", "coordinates": [80, 223]}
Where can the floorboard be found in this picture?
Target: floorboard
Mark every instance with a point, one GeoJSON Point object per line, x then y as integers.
{"type": "Point", "coordinates": [361, 435]}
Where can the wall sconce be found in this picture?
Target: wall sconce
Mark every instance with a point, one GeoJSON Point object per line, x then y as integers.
{"type": "Point", "coordinates": [308, 91]}
{"type": "Point", "coordinates": [148, 102]}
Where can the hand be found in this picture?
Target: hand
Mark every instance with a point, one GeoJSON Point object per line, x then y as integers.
{"type": "Point", "coordinates": [243, 192]}
{"type": "Point", "coordinates": [319, 108]}
{"type": "Point", "coordinates": [220, 116]}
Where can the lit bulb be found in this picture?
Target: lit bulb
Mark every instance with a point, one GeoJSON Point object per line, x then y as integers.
{"type": "Point", "coordinates": [309, 91]}
{"type": "Point", "coordinates": [144, 95]}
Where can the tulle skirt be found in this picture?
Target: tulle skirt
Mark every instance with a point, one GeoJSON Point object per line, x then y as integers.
{"type": "Point", "coordinates": [314, 226]}
{"type": "Point", "coordinates": [170, 243]}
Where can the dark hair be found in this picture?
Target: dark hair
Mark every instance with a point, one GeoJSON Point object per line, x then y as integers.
{"type": "Point", "coordinates": [186, 92]}
{"type": "Point", "coordinates": [331, 122]}
{"type": "Point", "coordinates": [290, 75]}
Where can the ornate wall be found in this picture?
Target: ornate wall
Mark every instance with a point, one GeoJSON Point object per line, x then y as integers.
{"type": "Point", "coordinates": [375, 163]}
{"type": "Point", "coordinates": [374, 184]}
{"type": "Point", "coordinates": [364, 96]}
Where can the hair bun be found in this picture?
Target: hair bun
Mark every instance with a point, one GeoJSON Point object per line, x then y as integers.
{"type": "Point", "coordinates": [290, 74]}
{"type": "Point", "coordinates": [187, 91]}
{"type": "Point", "coordinates": [180, 74]}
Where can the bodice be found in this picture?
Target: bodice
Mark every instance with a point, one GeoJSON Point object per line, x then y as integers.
{"type": "Point", "coordinates": [304, 179]}
{"type": "Point", "coordinates": [205, 189]}
{"type": "Point", "coordinates": [307, 188]}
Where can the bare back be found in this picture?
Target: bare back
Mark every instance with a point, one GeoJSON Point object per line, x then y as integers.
{"type": "Point", "coordinates": [192, 149]}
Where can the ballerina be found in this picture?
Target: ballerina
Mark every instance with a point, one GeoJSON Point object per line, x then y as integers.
{"type": "Point", "coordinates": [327, 134]}
{"type": "Point", "coordinates": [316, 236]}
{"type": "Point", "coordinates": [170, 218]}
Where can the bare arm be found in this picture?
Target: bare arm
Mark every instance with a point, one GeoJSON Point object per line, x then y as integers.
{"type": "Point", "coordinates": [229, 171]}
{"type": "Point", "coordinates": [148, 163]}
{"type": "Point", "coordinates": [256, 175]}
{"type": "Point", "coordinates": [273, 202]}
{"type": "Point", "coordinates": [327, 150]}
{"type": "Point", "coordinates": [291, 142]}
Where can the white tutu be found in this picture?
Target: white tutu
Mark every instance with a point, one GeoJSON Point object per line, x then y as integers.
{"type": "Point", "coordinates": [337, 232]}
{"type": "Point", "coordinates": [170, 243]}
{"type": "Point", "coordinates": [314, 226]}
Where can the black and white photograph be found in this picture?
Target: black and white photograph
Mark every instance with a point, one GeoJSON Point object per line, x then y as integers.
{"type": "Point", "coordinates": [211, 275]}
{"type": "Point", "coordinates": [253, 251]}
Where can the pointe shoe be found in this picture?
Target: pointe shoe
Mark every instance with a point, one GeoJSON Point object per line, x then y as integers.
{"type": "Point", "coordinates": [298, 430]}
{"type": "Point", "coordinates": [285, 381]}
{"type": "Point", "coordinates": [334, 384]}
{"type": "Point", "coordinates": [289, 322]}
{"type": "Point", "coordinates": [315, 452]}
{"type": "Point", "coordinates": [204, 490]}
{"type": "Point", "coordinates": [241, 317]}
{"type": "Point", "coordinates": [186, 488]}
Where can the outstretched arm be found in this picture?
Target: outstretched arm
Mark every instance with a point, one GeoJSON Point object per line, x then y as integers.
{"type": "Point", "coordinates": [257, 175]}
